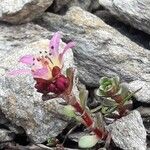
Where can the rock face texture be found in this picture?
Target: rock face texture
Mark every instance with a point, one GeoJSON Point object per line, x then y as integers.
{"type": "Point", "coordinates": [19, 100]}
{"type": "Point", "coordinates": [101, 50]}
{"type": "Point", "coordinates": [63, 5]}
{"type": "Point", "coordinates": [144, 94]}
{"type": "Point", "coordinates": [133, 12]}
{"type": "Point", "coordinates": [21, 11]}
{"type": "Point", "coordinates": [129, 133]}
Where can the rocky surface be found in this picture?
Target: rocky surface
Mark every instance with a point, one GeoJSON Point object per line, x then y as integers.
{"type": "Point", "coordinates": [80, 3]}
{"type": "Point", "coordinates": [4, 135]}
{"type": "Point", "coordinates": [128, 132]}
{"type": "Point", "coordinates": [145, 113]}
{"type": "Point", "coordinates": [61, 7]}
{"type": "Point", "coordinates": [101, 50]}
{"type": "Point", "coordinates": [21, 11]}
{"type": "Point", "coordinates": [144, 94]}
{"type": "Point", "coordinates": [133, 12]}
{"type": "Point", "coordinates": [19, 101]}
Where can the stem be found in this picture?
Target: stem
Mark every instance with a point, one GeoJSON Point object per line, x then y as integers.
{"type": "Point", "coordinates": [87, 119]}
{"type": "Point", "coordinates": [121, 109]}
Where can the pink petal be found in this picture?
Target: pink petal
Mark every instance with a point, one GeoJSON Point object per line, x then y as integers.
{"type": "Point", "coordinates": [54, 43]}
{"type": "Point", "coordinates": [19, 72]}
{"type": "Point", "coordinates": [39, 73]}
{"type": "Point", "coordinates": [27, 59]}
{"type": "Point", "coordinates": [68, 46]}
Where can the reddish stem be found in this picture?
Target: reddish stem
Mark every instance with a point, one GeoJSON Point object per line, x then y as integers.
{"type": "Point", "coordinates": [87, 119]}
{"type": "Point", "coordinates": [120, 100]}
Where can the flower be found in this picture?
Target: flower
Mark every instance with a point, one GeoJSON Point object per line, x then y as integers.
{"type": "Point", "coordinates": [47, 68]}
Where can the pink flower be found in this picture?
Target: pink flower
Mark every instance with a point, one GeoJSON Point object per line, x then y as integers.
{"type": "Point", "coordinates": [46, 69]}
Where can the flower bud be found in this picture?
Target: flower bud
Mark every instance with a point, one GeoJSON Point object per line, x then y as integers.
{"type": "Point", "coordinates": [59, 85]}
{"type": "Point", "coordinates": [56, 71]}
{"type": "Point", "coordinates": [41, 86]}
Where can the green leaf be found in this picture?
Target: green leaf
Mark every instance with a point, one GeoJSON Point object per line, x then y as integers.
{"type": "Point", "coordinates": [87, 141]}
{"type": "Point", "coordinates": [109, 102]}
{"type": "Point", "coordinates": [83, 95]}
{"type": "Point", "coordinates": [69, 111]}
{"type": "Point", "coordinates": [108, 110]}
{"type": "Point", "coordinates": [99, 120]}
{"type": "Point", "coordinates": [103, 80]}
{"type": "Point", "coordinates": [124, 91]}
{"type": "Point", "coordinates": [96, 109]}
{"type": "Point", "coordinates": [51, 141]}
{"type": "Point", "coordinates": [131, 94]}
{"type": "Point", "coordinates": [100, 92]}
{"type": "Point", "coordinates": [116, 80]}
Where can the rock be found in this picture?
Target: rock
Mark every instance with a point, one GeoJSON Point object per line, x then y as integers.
{"type": "Point", "coordinates": [134, 12]}
{"type": "Point", "coordinates": [95, 6]}
{"type": "Point", "coordinates": [21, 11]}
{"type": "Point", "coordinates": [144, 94]}
{"type": "Point", "coordinates": [80, 3]}
{"type": "Point", "coordinates": [4, 135]}
{"type": "Point", "coordinates": [19, 36]}
{"type": "Point", "coordinates": [62, 6]}
{"type": "Point", "coordinates": [128, 132]}
{"type": "Point", "coordinates": [145, 113]}
{"type": "Point", "coordinates": [106, 16]}
{"type": "Point", "coordinates": [100, 50]}
{"type": "Point", "coordinates": [19, 101]}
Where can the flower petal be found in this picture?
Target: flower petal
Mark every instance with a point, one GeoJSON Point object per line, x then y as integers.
{"type": "Point", "coordinates": [27, 59]}
{"type": "Point", "coordinates": [19, 72]}
{"type": "Point", "coordinates": [40, 73]}
{"type": "Point", "coordinates": [68, 46]}
{"type": "Point", "coordinates": [54, 43]}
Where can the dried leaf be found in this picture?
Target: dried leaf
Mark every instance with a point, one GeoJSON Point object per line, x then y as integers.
{"type": "Point", "coordinates": [83, 95]}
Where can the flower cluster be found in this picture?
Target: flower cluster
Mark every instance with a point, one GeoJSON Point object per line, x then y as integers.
{"type": "Point", "coordinates": [47, 69]}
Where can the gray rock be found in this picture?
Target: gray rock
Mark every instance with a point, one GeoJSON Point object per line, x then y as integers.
{"type": "Point", "coordinates": [144, 111]}
{"type": "Point", "coordinates": [21, 11]}
{"type": "Point", "coordinates": [144, 94]}
{"type": "Point", "coordinates": [128, 132]}
{"type": "Point", "coordinates": [61, 6]}
{"type": "Point", "coordinates": [100, 50]}
{"type": "Point", "coordinates": [4, 135]}
{"type": "Point", "coordinates": [133, 12]}
{"type": "Point", "coordinates": [95, 6]}
{"type": "Point", "coordinates": [106, 16]}
{"type": "Point", "coordinates": [19, 36]}
{"type": "Point", "coordinates": [80, 3]}
{"type": "Point", "coordinates": [19, 101]}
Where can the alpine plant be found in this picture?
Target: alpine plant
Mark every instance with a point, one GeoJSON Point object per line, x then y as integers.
{"type": "Point", "coordinates": [46, 70]}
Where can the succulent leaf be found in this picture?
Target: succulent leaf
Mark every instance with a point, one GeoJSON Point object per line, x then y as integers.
{"type": "Point", "coordinates": [87, 141]}
{"type": "Point", "coordinates": [69, 111]}
{"type": "Point", "coordinates": [109, 102]}
{"type": "Point", "coordinates": [108, 110]}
